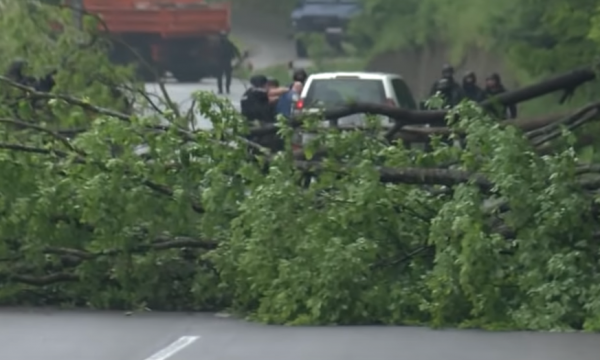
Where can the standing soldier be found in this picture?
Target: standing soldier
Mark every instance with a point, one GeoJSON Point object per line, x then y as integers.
{"type": "Point", "coordinates": [227, 52]}
{"type": "Point", "coordinates": [471, 90]}
{"type": "Point", "coordinates": [493, 87]}
{"type": "Point", "coordinates": [449, 88]}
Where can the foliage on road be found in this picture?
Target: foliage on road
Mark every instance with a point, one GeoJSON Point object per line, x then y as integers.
{"type": "Point", "coordinates": [489, 235]}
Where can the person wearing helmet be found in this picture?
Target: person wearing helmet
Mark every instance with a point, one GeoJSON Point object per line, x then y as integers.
{"type": "Point", "coordinates": [227, 52]}
{"type": "Point", "coordinates": [494, 87]}
{"type": "Point", "coordinates": [452, 92]}
{"type": "Point", "coordinates": [256, 101]}
{"type": "Point", "coordinates": [299, 75]}
{"type": "Point", "coordinates": [16, 73]}
{"type": "Point", "coordinates": [470, 88]}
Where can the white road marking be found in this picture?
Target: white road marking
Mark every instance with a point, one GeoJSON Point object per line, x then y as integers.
{"type": "Point", "coordinates": [174, 348]}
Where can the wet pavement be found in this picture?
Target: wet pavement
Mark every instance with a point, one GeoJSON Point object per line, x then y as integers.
{"type": "Point", "coordinates": [182, 94]}
{"type": "Point", "coordinates": [37, 334]}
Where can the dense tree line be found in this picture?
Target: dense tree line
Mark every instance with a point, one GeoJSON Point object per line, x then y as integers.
{"type": "Point", "coordinates": [538, 38]}
{"type": "Point", "coordinates": [106, 209]}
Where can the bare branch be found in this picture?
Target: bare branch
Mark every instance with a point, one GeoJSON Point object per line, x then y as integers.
{"type": "Point", "coordinates": [161, 243]}
{"type": "Point", "coordinates": [69, 99]}
{"type": "Point", "coordinates": [57, 136]}
{"type": "Point", "coordinates": [39, 280]}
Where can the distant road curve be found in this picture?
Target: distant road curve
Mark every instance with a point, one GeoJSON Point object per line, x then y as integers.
{"type": "Point", "coordinates": [266, 36]}
{"type": "Point", "coordinates": [45, 334]}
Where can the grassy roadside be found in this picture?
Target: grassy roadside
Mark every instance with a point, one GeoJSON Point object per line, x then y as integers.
{"type": "Point", "coordinates": [323, 59]}
{"type": "Point", "coordinates": [282, 73]}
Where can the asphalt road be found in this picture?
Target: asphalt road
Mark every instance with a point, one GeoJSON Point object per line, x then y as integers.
{"type": "Point", "coordinates": [182, 94]}
{"type": "Point", "coordinates": [75, 335]}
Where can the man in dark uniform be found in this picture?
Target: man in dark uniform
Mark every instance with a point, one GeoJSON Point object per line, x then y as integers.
{"type": "Point", "coordinates": [255, 101]}
{"type": "Point", "coordinates": [448, 74]}
{"type": "Point", "coordinates": [493, 87]}
{"type": "Point", "coordinates": [256, 105]}
{"type": "Point", "coordinates": [15, 73]}
{"type": "Point", "coordinates": [449, 92]}
{"type": "Point", "coordinates": [299, 75]}
{"type": "Point", "coordinates": [450, 89]}
{"type": "Point", "coordinates": [227, 52]}
{"type": "Point", "coordinates": [471, 90]}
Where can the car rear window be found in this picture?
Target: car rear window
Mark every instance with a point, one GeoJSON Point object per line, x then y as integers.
{"type": "Point", "coordinates": [336, 92]}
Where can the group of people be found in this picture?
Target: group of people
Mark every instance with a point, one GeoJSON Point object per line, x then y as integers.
{"type": "Point", "coordinates": [453, 93]}
{"type": "Point", "coordinates": [266, 98]}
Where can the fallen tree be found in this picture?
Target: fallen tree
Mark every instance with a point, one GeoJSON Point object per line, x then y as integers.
{"type": "Point", "coordinates": [490, 234]}
{"type": "Point", "coordinates": [408, 124]}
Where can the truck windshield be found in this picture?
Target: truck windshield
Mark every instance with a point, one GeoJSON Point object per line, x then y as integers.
{"type": "Point", "coordinates": [337, 92]}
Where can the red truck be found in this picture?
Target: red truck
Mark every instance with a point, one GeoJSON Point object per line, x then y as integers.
{"type": "Point", "coordinates": [178, 36]}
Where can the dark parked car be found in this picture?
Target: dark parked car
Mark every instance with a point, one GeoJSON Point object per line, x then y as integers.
{"type": "Point", "coordinates": [330, 17]}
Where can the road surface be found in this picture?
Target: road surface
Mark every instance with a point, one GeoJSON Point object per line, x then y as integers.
{"type": "Point", "coordinates": [264, 36]}
{"type": "Point", "coordinates": [182, 94]}
{"type": "Point", "coordinates": [82, 335]}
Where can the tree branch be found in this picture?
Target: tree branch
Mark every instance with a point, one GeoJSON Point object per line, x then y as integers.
{"type": "Point", "coordinates": [158, 188]}
{"type": "Point", "coordinates": [411, 176]}
{"type": "Point", "coordinates": [69, 99]}
{"type": "Point", "coordinates": [44, 280]}
{"type": "Point", "coordinates": [57, 136]}
{"type": "Point", "coordinates": [161, 243]}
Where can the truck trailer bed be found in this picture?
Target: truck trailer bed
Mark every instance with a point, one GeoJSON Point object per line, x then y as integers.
{"type": "Point", "coordinates": [169, 19]}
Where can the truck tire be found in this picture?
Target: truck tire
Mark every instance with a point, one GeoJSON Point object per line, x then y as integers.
{"type": "Point", "coordinates": [301, 51]}
{"type": "Point", "coordinates": [188, 74]}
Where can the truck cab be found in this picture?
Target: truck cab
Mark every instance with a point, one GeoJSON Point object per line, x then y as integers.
{"type": "Point", "coordinates": [329, 17]}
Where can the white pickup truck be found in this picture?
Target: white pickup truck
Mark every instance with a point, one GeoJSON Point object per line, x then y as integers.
{"type": "Point", "coordinates": [334, 89]}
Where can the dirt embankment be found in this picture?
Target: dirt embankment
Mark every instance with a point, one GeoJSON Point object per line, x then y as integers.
{"type": "Point", "coordinates": [421, 68]}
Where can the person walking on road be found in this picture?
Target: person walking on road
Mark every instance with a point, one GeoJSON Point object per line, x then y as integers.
{"type": "Point", "coordinates": [227, 53]}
